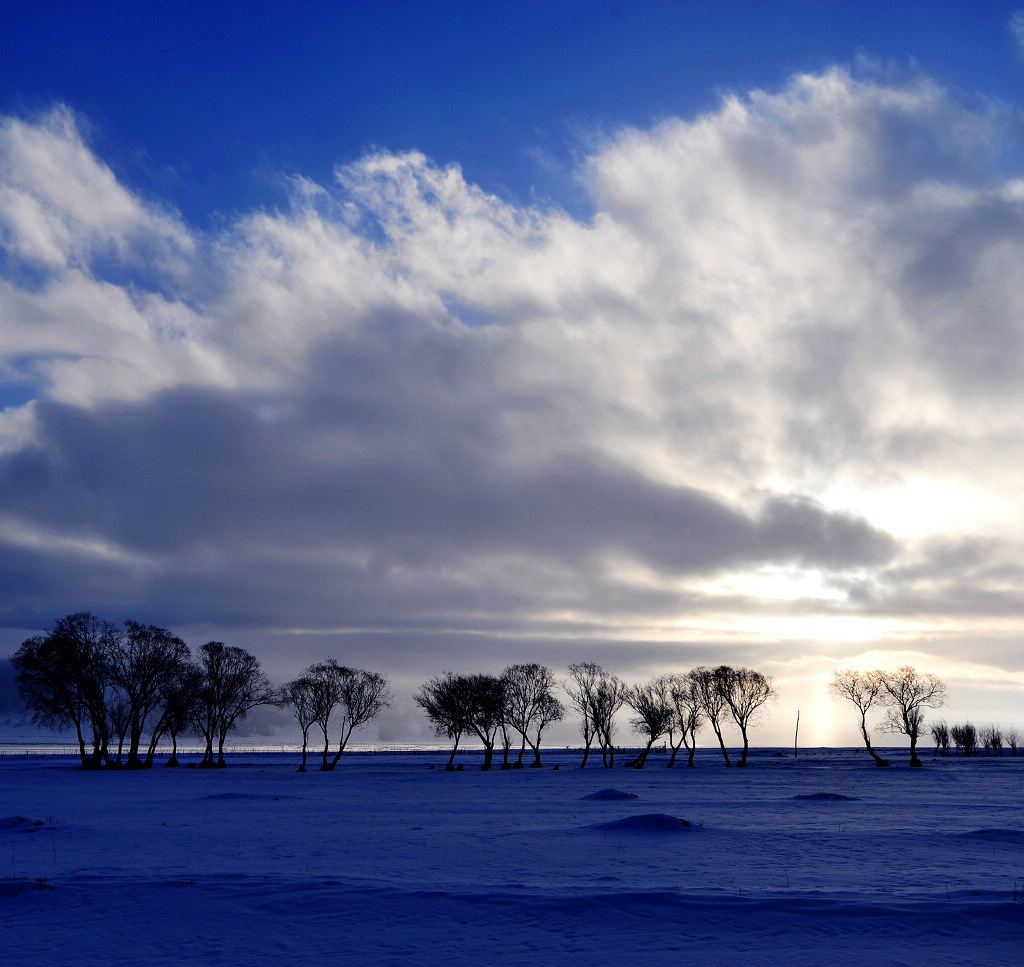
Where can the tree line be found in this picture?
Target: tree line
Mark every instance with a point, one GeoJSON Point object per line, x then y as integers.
{"type": "Point", "coordinates": [124, 689]}
{"type": "Point", "coordinates": [522, 700]}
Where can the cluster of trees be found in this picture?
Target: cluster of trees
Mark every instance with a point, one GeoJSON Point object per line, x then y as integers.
{"type": "Point", "coordinates": [902, 696]}
{"type": "Point", "coordinates": [968, 740]}
{"type": "Point", "coordinates": [522, 700]}
{"type": "Point", "coordinates": [326, 691]}
{"type": "Point", "coordinates": [117, 685]}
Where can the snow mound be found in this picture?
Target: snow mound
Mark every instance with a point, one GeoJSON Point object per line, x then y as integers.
{"type": "Point", "coordinates": [998, 835]}
{"type": "Point", "coordinates": [648, 823]}
{"type": "Point", "coordinates": [612, 794]}
{"type": "Point", "coordinates": [826, 796]}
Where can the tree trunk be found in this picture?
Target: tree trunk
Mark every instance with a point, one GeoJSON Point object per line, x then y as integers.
{"type": "Point", "coordinates": [586, 755]}
{"type": "Point", "coordinates": [451, 759]}
{"type": "Point", "coordinates": [488, 756]}
{"type": "Point", "coordinates": [172, 762]}
{"type": "Point", "coordinates": [81, 745]}
{"type": "Point", "coordinates": [879, 761]}
{"type": "Point", "coordinates": [721, 743]}
{"type": "Point", "coordinates": [641, 760]}
{"type": "Point", "coordinates": [746, 746]}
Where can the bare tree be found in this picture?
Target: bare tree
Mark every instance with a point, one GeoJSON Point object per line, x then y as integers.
{"type": "Point", "coordinates": [119, 716]}
{"type": "Point", "coordinates": [63, 677]}
{"type": "Point", "coordinates": [143, 662]}
{"type": "Point", "coordinates": [687, 719]}
{"type": "Point", "coordinates": [654, 713]}
{"type": "Point", "coordinates": [486, 711]}
{"type": "Point", "coordinates": [907, 694]}
{"type": "Point", "coordinates": [300, 695]}
{"type": "Point", "coordinates": [746, 692]}
{"type": "Point", "coordinates": [233, 684]}
{"type": "Point", "coordinates": [531, 705]}
{"type": "Point", "coordinates": [176, 709]}
{"type": "Point", "coordinates": [361, 697]}
{"type": "Point", "coordinates": [447, 704]}
{"type": "Point", "coordinates": [1013, 740]}
{"type": "Point", "coordinates": [705, 685]}
{"type": "Point", "coordinates": [866, 691]}
{"type": "Point", "coordinates": [940, 734]}
{"type": "Point", "coordinates": [580, 688]}
{"type": "Point", "coordinates": [991, 737]}
{"type": "Point", "coordinates": [609, 696]}
{"type": "Point", "coordinates": [965, 738]}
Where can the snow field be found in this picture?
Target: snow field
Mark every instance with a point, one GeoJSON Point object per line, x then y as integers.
{"type": "Point", "coordinates": [389, 862]}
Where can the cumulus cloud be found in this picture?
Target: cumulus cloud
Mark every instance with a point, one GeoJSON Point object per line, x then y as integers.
{"type": "Point", "coordinates": [774, 376]}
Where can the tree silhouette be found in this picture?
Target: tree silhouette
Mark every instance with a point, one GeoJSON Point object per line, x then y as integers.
{"type": "Point", "coordinates": [447, 703]}
{"type": "Point", "coordinates": [654, 713]}
{"type": "Point", "coordinates": [144, 663]}
{"type": "Point", "coordinates": [865, 690]}
{"type": "Point", "coordinates": [688, 717]}
{"type": "Point", "coordinates": [361, 696]}
{"type": "Point", "coordinates": [580, 688]}
{"type": "Point", "coordinates": [745, 691]}
{"type": "Point", "coordinates": [299, 694]}
{"type": "Point", "coordinates": [531, 705]}
{"type": "Point", "coordinates": [232, 685]}
{"type": "Point", "coordinates": [63, 677]}
{"type": "Point", "coordinates": [707, 689]}
{"type": "Point", "coordinates": [907, 694]}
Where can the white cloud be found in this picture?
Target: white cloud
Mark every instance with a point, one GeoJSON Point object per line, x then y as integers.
{"type": "Point", "coordinates": [792, 327]}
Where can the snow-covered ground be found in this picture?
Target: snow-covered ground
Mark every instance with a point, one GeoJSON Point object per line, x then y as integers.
{"type": "Point", "coordinates": [388, 861]}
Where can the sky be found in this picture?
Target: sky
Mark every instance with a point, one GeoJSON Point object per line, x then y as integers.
{"type": "Point", "coordinates": [438, 336]}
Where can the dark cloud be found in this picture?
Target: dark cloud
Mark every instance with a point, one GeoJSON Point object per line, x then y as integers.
{"type": "Point", "coordinates": [369, 499]}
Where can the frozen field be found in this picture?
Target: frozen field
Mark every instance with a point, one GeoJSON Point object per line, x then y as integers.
{"type": "Point", "coordinates": [389, 862]}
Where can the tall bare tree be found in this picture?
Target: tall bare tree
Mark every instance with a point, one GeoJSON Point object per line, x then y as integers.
{"type": "Point", "coordinates": [687, 719]}
{"type": "Point", "coordinates": [907, 694]}
{"type": "Point", "coordinates": [144, 662]}
{"type": "Point", "coordinates": [233, 684]}
{"type": "Point", "coordinates": [176, 709]}
{"type": "Point", "coordinates": [580, 687]}
{"type": "Point", "coordinates": [531, 705]}
{"type": "Point", "coordinates": [706, 688]}
{"type": "Point", "coordinates": [447, 702]}
{"type": "Point", "coordinates": [363, 695]}
{"type": "Point", "coordinates": [865, 690]}
{"type": "Point", "coordinates": [64, 678]}
{"type": "Point", "coordinates": [654, 710]}
{"type": "Point", "coordinates": [608, 697]}
{"type": "Point", "coordinates": [746, 692]}
{"type": "Point", "coordinates": [300, 695]}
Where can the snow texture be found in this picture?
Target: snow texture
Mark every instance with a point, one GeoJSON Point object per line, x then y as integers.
{"type": "Point", "coordinates": [387, 861]}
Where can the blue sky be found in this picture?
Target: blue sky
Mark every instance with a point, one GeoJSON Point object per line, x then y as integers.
{"type": "Point", "coordinates": [445, 335]}
{"type": "Point", "coordinates": [204, 105]}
